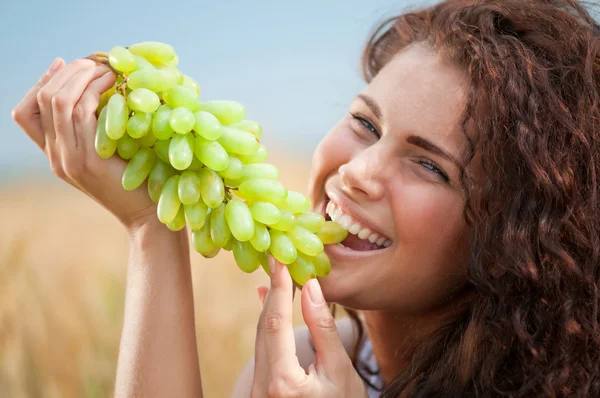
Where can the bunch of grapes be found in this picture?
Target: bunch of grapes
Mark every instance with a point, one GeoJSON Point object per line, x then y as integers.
{"type": "Point", "coordinates": [205, 166]}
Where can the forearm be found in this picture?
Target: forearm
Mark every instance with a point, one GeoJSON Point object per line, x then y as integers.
{"type": "Point", "coordinates": [158, 353]}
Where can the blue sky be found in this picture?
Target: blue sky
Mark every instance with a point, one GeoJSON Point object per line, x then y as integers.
{"type": "Point", "coordinates": [293, 64]}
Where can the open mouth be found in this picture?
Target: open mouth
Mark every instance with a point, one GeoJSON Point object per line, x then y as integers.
{"type": "Point", "coordinates": [360, 237]}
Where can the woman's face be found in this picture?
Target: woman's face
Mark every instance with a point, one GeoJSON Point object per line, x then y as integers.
{"type": "Point", "coordinates": [386, 173]}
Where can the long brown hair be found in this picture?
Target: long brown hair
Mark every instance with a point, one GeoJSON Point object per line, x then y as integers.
{"type": "Point", "coordinates": [533, 115]}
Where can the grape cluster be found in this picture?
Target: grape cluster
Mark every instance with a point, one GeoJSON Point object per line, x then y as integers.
{"type": "Point", "coordinates": [205, 166]}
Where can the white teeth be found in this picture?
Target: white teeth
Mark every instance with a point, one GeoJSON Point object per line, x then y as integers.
{"type": "Point", "coordinates": [364, 233]}
{"type": "Point", "coordinates": [336, 214]}
{"type": "Point", "coordinates": [329, 207]}
{"type": "Point", "coordinates": [345, 221]}
{"type": "Point", "coordinates": [387, 243]}
{"type": "Point", "coordinates": [380, 241]}
{"type": "Point", "coordinates": [354, 228]}
{"type": "Point", "coordinates": [373, 238]}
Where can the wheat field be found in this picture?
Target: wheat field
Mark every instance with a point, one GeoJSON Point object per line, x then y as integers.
{"type": "Point", "coordinates": [63, 262]}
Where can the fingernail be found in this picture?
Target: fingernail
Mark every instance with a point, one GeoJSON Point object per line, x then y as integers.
{"type": "Point", "coordinates": [314, 292]}
{"type": "Point", "coordinates": [54, 65]}
{"type": "Point", "coordinates": [273, 265]}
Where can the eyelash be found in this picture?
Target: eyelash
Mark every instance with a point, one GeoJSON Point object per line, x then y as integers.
{"type": "Point", "coordinates": [369, 126]}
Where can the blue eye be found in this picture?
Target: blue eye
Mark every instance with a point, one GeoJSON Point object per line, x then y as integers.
{"type": "Point", "coordinates": [435, 169]}
{"type": "Point", "coordinates": [365, 123]}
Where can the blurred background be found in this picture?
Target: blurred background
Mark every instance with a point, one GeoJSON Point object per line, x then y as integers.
{"type": "Point", "coordinates": [63, 259]}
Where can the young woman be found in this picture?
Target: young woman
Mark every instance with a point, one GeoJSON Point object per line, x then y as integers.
{"type": "Point", "coordinates": [471, 159]}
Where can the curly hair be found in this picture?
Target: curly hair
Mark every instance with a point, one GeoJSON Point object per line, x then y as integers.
{"type": "Point", "coordinates": [533, 110]}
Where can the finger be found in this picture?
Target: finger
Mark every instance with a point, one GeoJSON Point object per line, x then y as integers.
{"type": "Point", "coordinates": [27, 112]}
{"type": "Point", "coordinates": [321, 325]}
{"type": "Point", "coordinates": [261, 292]}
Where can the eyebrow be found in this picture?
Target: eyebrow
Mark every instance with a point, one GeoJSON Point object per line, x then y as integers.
{"type": "Point", "coordinates": [416, 140]}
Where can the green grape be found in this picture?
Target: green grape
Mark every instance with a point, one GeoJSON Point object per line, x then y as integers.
{"type": "Point", "coordinates": [121, 59]}
{"type": "Point", "coordinates": [311, 221]}
{"type": "Point", "coordinates": [191, 83]}
{"type": "Point", "coordinates": [212, 189]}
{"type": "Point", "coordinates": [261, 170]}
{"type": "Point", "coordinates": [229, 245]}
{"type": "Point", "coordinates": [181, 151]}
{"type": "Point", "coordinates": [161, 126]}
{"type": "Point", "coordinates": [159, 174]}
{"type": "Point", "coordinates": [249, 126]}
{"type": "Point", "coordinates": [211, 153]}
{"type": "Point", "coordinates": [234, 169]}
{"type": "Point", "coordinates": [233, 184]}
{"type": "Point", "coordinates": [286, 223]}
{"type": "Point", "coordinates": [259, 156]}
{"type": "Point", "coordinates": [207, 125]}
{"type": "Point", "coordinates": [282, 247]}
{"type": "Point", "coordinates": [174, 74]}
{"type": "Point", "coordinates": [295, 202]}
{"type": "Point", "coordinates": [228, 112]}
{"type": "Point", "coordinates": [238, 141]}
{"type": "Point", "coordinates": [105, 146]}
{"type": "Point", "coordinates": [189, 188]}
{"type": "Point", "coordinates": [168, 203]}
{"type": "Point", "coordinates": [265, 212]}
{"type": "Point", "coordinates": [142, 63]}
{"type": "Point", "coordinates": [263, 190]}
{"type": "Point", "coordinates": [264, 261]}
{"type": "Point", "coordinates": [201, 239]}
{"type": "Point", "coordinates": [219, 230]}
{"type": "Point", "coordinates": [305, 241]}
{"type": "Point", "coordinates": [157, 80]}
{"type": "Point", "coordinates": [322, 264]}
{"type": "Point", "coordinates": [212, 253]}
{"type": "Point", "coordinates": [173, 63]}
{"type": "Point", "coordinates": [116, 116]}
{"type": "Point", "coordinates": [147, 141]}
{"type": "Point", "coordinates": [178, 222]}
{"type": "Point", "coordinates": [261, 240]}
{"type": "Point", "coordinates": [302, 270]}
{"type": "Point", "coordinates": [104, 97]}
{"type": "Point", "coordinates": [127, 147]}
{"type": "Point", "coordinates": [181, 96]}
{"type": "Point", "coordinates": [138, 168]}
{"type": "Point", "coordinates": [143, 100]}
{"type": "Point", "coordinates": [239, 219]}
{"type": "Point", "coordinates": [196, 215]}
{"type": "Point", "coordinates": [182, 120]}
{"type": "Point", "coordinates": [196, 165]}
{"type": "Point", "coordinates": [138, 125]}
{"type": "Point", "coordinates": [161, 147]}
{"type": "Point", "coordinates": [332, 233]}
{"type": "Point", "coordinates": [246, 257]}
{"type": "Point", "coordinates": [155, 52]}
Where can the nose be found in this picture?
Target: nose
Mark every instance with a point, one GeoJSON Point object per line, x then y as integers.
{"type": "Point", "coordinates": [361, 179]}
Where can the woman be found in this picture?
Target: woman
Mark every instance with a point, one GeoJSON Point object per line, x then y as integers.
{"type": "Point", "coordinates": [473, 150]}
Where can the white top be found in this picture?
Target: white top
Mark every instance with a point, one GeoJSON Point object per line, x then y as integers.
{"type": "Point", "coordinates": [366, 365]}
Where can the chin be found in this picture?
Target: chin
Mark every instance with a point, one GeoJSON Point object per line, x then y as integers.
{"type": "Point", "coordinates": [339, 289]}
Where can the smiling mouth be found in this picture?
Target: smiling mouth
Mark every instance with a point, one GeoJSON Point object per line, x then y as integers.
{"type": "Point", "coordinates": [360, 237]}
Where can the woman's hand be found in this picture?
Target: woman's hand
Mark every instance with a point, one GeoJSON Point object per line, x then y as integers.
{"type": "Point", "coordinates": [277, 372]}
{"type": "Point", "coordinates": [58, 114]}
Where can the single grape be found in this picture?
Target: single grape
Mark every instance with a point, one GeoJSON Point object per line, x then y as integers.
{"type": "Point", "coordinates": [305, 241]}
{"type": "Point", "coordinates": [178, 222]}
{"type": "Point", "coordinates": [189, 188]}
{"type": "Point", "coordinates": [264, 261]}
{"type": "Point", "coordinates": [181, 96]}
{"type": "Point", "coordinates": [138, 168]}
{"type": "Point", "coordinates": [302, 270]}
{"type": "Point", "coordinates": [191, 83]}
{"type": "Point", "coordinates": [332, 233]}
{"type": "Point", "coordinates": [143, 100]}
{"type": "Point", "coordinates": [219, 229]}
{"type": "Point", "coordinates": [196, 215]}
{"type": "Point", "coordinates": [239, 220]}
{"type": "Point", "coordinates": [322, 264]}
{"type": "Point", "coordinates": [201, 239]}
{"type": "Point", "coordinates": [261, 240]}
{"type": "Point", "coordinates": [265, 212]}
{"type": "Point", "coordinates": [229, 245]}
{"type": "Point", "coordinates": [286, 223]}
{"type": "Point", "coordinates": [181, 151]}
{"type": "Point", "coordinates": [182, 120]}
{"type": "Point", "coordinates": [121, 59]}
{"type": "Point", "coordinates": [173, 63]}
{"type": "Point", "coordinates": [155, 52]}
{"type": "Point", "coordinates": [169, 203]}
{"type": "Point", "coordinates": [228, 112]}
{"type": "Point", "coordinates": [211, 153]}
{"type": "Point", "coordinates": [157, 80]}
{"type": "Point", "coordinates": [147, 141]}
{"type": "Point", "coordinates": [261, 170]}
{"type": "Point", "coordinates": [238, 141]}
{"type": "Point", "coordinates": [142, 63]}
{"type": "Point", "coordinates": [161, 125]}
{"type": "Point", "coordinates": [246, 257]}
{"type": "Point", "coordinates": [282, 247]}
{"type": "Point", "coordinates": [161, 147]}
{"type": "Point", "coordinates": [212, 189]}
{"type": "Point", "coordinates": [196, 165]}
{"type": "Point", "coordinates": [249, 126]}
{"type": "Point", "coordinates": [159, 174]}
{"type": "Point", "coordinates": [263, 190]}
{"type": "Point", "coordinates": [311, 221]}
{"type": "Point", "coordinates": [105, 146]}
{"type": "Point", "coordinates": [116, 116]}
{"type": "Point", "coordinates": [207, 125]}
{"type": "Point", "coordinates": [139, 124]}
{"type": "Point", "coordinates": [104, 97]}
{"type": "Point", "coordinates": [295, 202]}
{"type": "Point", "coordinates": [259, 156]}
{"type": "Point", "coordinates": [127, 147]}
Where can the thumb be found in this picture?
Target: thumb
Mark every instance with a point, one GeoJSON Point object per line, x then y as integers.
{"type": "Point", "coordinates": [321, 324]}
